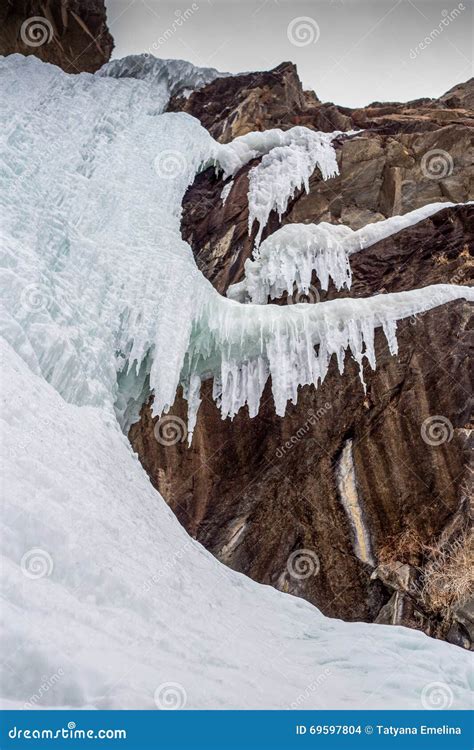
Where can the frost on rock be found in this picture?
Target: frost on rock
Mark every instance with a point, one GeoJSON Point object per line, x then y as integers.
{"type": "Point", "coordinates": [291, 254]}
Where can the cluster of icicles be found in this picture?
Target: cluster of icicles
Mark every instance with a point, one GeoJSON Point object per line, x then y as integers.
{"type": "Point", "coordinates": [241, 348]}
{"type": "Point", "coordinates": [101, 295]}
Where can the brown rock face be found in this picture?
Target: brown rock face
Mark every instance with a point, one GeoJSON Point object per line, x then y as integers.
{"type": "Point", "coordinates": [229, 107]}
{"type": "Point", "coordinates": [72, 34]}
{"type": "Point", "coordinates": [358, 502]}
{"type": "Point", "coordinates": [380, 176]}
{"type": "Point", "coordinates": [346, 475]}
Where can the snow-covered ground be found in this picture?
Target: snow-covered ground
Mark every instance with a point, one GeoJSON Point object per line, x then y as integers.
{"type": "Point", "coordinates": [108, 602]}
{"type": "Point", "coordinates": [117, 600]}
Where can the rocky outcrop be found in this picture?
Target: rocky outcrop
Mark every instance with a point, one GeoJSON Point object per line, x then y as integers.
{"type": "Point", "coordinates": [72, 34]}
{"type": "Point", "coordinates": [358, 502]}
{"type": "Point", "coordinates": [233, 106]}
{"type": "Point", "coordinates": [380, 176]}
{"type": "Point", "coordinates": [255, 492]}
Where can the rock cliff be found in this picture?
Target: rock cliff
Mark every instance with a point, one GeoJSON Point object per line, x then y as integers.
{"type": "Point", "coordinates": [72, 34]}
{"type": "Point", "coordinates": [358, 502]}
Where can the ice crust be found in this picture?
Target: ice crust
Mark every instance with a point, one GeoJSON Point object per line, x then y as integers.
{"type": "Point", "coordinates": [101, 304]}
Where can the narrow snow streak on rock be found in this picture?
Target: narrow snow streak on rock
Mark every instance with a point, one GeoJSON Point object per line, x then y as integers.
{"type": "Point", "coordinates": [349, 495]}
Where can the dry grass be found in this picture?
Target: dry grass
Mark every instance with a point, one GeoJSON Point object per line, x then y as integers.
{"type": "Point", "coordinates": [406, 547]}
{"type": "Point", "coordinates": [447, 578]}
{"type": "Point", "coordinates": [445, 572]}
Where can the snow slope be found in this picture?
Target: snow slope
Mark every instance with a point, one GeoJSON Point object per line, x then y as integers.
{"type": "Point", "coordinates": [132, 603]}
{"type": "Point", "coordinates": [101, 302]}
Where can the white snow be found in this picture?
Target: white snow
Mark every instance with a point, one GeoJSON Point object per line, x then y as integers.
{"type": "Point", "coordinates": [118, 600]}
{"type": "Point", "coordinates": [102, 302]}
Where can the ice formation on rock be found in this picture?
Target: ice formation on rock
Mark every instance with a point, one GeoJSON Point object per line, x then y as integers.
{"type": "Point", "coordinates": [285, 169]}
{"type": "Point", "coordinates": [291, 254]}
{"type": "Point", "coordinates": [101, 304]}
{"type": "Point", "coordinates": [167, 77]}
{"type": "Point", "coordinates": [226, 191]}
{"type": "Point", "coordinates": [107, 303]}
{"type": "Point", "coordinates": [241, 346]}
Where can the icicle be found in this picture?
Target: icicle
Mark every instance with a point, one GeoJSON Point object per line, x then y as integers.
{"type": "Point", "coordinates": [298, 341]}
{"type": "Point", "coordinates": [291, 254]}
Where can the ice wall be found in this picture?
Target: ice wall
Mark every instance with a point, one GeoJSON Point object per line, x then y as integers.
{"type": "Point", "coordinates": [100, 293]}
